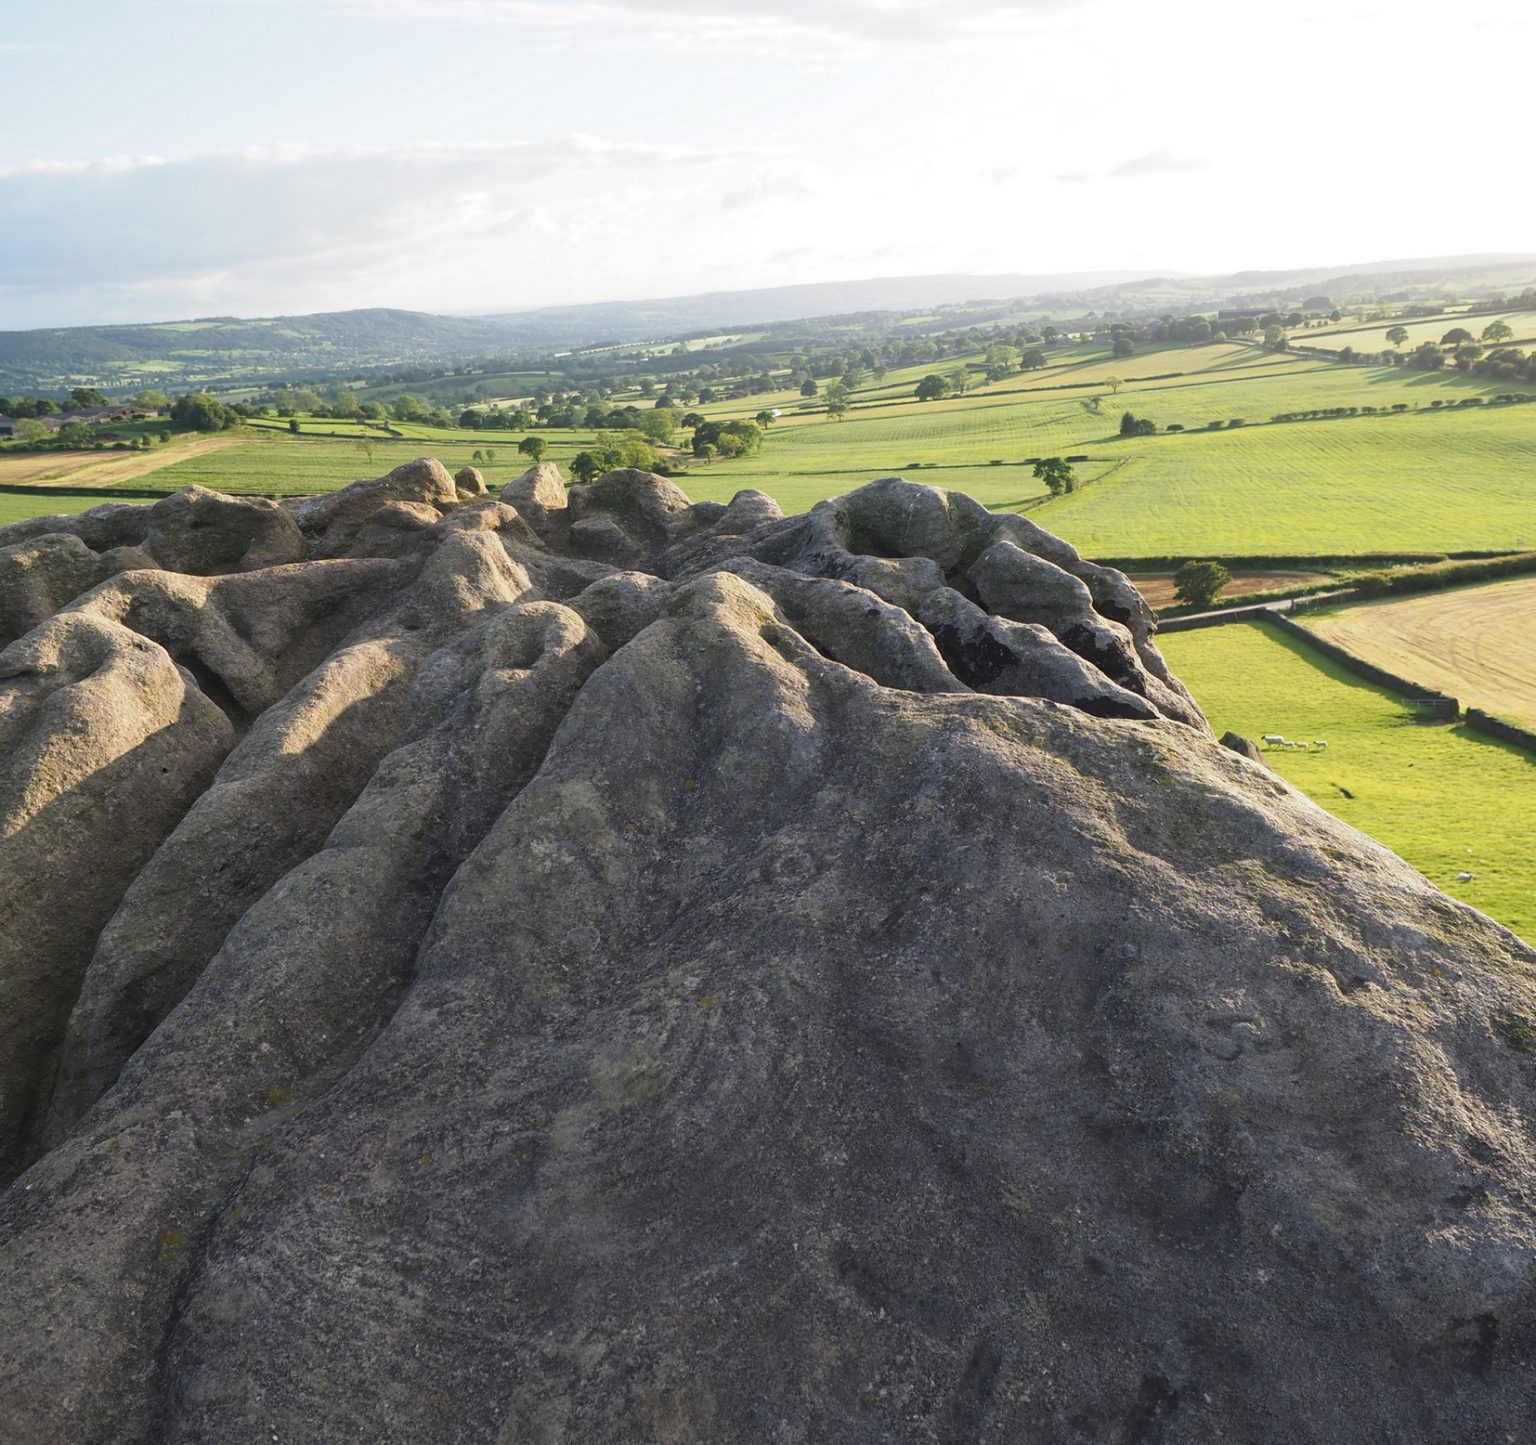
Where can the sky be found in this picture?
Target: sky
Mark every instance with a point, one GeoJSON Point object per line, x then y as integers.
{"type": "Point", "coordinates": [177, 158]}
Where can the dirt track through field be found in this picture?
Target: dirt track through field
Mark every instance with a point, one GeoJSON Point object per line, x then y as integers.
{"type": "Point", "coordinates": [1476, 643]}
{"type": "Point", "coordinates": [93, 469]}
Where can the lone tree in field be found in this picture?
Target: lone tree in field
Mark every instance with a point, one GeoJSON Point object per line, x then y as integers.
{"type": "Point", "coordinates": [1496, 331]}
{"type": "Point", "coordinates": [837, 407]}
{"type": "Point", "coordinates": [1114, 383]}
{"type": "Point", "coordinates": [931, 388]}
{"type": "Point", "coordinates": [585, 466]}
{"type": "Point", "coordinates": [1197, 583]}
{"type": "Point", "coordinates": [1056, 474]}
{"type": "Point", "coordinates": [533, 448]}
{"type": "Point", "coordinates": [1397, 335]}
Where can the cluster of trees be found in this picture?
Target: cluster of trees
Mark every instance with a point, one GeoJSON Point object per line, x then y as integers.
{"type": "Point", "coordinates": [726, 439]}
{"type": "Point", "coordinates": [198, 411]}
{"type": "Point", "coordinates": [1132, 425]}
{"type": "Point", "coordinates": [614, 450]}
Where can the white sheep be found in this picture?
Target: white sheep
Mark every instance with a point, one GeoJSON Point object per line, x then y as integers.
{"type": "Point", "coordinates": [1274, 738]}
{"type": "Point", "coordinates": [1463, 877]}
{"type": "Point", "coordinates": [1320, 742]}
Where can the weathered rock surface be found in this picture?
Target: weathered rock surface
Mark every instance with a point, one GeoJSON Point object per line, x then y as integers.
{"type": "Point", "coordinates": [592, 967]}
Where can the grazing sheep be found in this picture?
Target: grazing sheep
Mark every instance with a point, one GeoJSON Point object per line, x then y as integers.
{"type": "Point", "coordinates": [1274, 738]}
{"type": "Point", "coordinates": [1301, 745]}
{"type": "Point", "coordinates": [1319, 742]}
{"type": "Point", "coordinates": [1463, 877]}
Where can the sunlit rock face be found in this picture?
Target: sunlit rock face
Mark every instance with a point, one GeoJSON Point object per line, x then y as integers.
{"type": "Point", "coordinates": [585, 966]}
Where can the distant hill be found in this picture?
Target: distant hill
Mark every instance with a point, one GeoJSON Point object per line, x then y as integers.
{"type": "Point", "coordinates": [648, 319]}
{"type": "Point", "coordinates": [226, 350]}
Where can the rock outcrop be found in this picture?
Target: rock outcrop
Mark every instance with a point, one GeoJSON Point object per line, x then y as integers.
{"type": "Point", "coordinates": [586, 966]}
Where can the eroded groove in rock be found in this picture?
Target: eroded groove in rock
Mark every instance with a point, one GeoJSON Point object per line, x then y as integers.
{"type": "Point", "coordinates": [103, 745]}
{"type": "Point", "coordinates": [657, 970]}
{"type": "Point", "coordinates": [273, 802]}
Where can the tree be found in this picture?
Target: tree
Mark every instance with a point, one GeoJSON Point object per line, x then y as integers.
{"type": "Point", "coordinates": [1124, 346]}
{"type": "Point", "coordinates": [1455, 336]}
{"type": "Point", "coordinates": [1274, 338]}
{"type": "Point", "coordinates": [692, 421]}
{"type": "Point", "coordinates": [28, 430]}
{"type": "Point", "coordinates": [366, 444]}
{"type": "Point", "coordinates": [1001, 359]}
{"type": "Point", "coordinates": [75, 434]}
{"type": "Point", "coordinates": [197, 411]}
{"type": "Point", "coordinates": [1496, 331]}
{"type": "Point", "coordinates": [407, 407]}
{"type": "Point", "coordinates": [151, 400]}
{"type": "Point", "coordinates": [1134, 426]}
{"type": "Point", "coordinates": [959, 380]}
{"type": "Point", "coordinates": [1114, 383]}
{"type": "Point", "coordinates": [1032, 360]}
{"type": "Point", "coordinates": [293, 425]}
{"type": "Point", "coordinates": [1397, 335]}
{"type": "Point", "coordinates": [1056, 474]}
{"type": "Point", "coordinates": [84, 396]}
{"type": "Point", "coordinates": [837, 408]}
{"type": "Point", "coordinates": [534, 448]}
{"type": "Point", "coordinates": [1197, 583]}
{"type": "Point", "coordinates": [584, 466]}
{"type": "Point", "coordinates": [659, 425]}
{"type": "Point", "coordinates": [808, 386]}
{"type": "Point", "coordinates": [931, 388]}
{"type": "Point", "coordinates": [764, 419]}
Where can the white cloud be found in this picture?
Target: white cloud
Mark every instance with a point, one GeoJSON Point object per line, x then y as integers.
{"type": "Point", "coordinates": [727, 24]}
{"type": "Point", "coordinates": [1158, 162]}
{"type": "Point", "coordinates": [327, 228]}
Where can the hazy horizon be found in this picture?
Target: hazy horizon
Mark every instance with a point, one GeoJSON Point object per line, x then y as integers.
{"type": "Point", "coordinates": [476, 156]}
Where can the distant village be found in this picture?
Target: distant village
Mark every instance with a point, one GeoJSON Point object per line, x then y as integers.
{"type": "Point", "coordinates": [93, 416]}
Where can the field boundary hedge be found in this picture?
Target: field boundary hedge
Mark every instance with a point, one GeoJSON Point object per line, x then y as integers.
{"type": "Point", "coordinates": [1480, 721]}
{"type": "Point", "coordinates": [105, 493]}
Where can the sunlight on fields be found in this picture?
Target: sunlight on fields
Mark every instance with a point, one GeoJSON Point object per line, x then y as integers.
{"type": "Point", "coordinates": [1446, 799]}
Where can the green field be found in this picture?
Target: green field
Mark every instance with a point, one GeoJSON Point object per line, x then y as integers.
{"type": "Point", "coordinates": [1445, 798]}
{"type": "Point", "coordinates": [1437, 476]}
{"type": "Point", "coordinates": [17, 508]}
{"type": "Point", "coordinates": [1448, 478]}
{"type": "Point", "coordinates": [293, 466]}
{"type": "Point", "coordinates": [1373, 337]}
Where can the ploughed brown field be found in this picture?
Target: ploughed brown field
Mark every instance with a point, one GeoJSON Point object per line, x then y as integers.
{"type": "Point", "coordinates": [1157, 587]}
{"type": "Point", "coordinates": [1476, 643]}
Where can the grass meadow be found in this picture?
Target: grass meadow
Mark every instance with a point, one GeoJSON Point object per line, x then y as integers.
{"type": "Point", "coordinates": [1446, 799]}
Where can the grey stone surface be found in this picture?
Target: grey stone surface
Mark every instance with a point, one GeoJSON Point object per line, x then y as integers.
{"type": "Point", "coordinates": [822, 982]}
